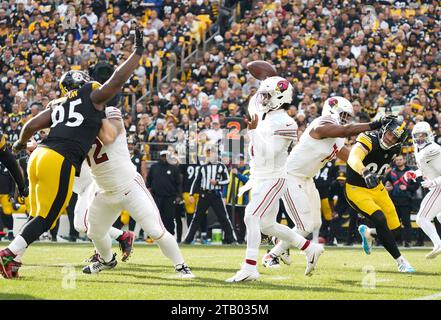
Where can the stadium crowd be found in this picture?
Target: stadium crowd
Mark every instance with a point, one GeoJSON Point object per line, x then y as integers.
{"type": "Point", "coordinates": [384, 56]}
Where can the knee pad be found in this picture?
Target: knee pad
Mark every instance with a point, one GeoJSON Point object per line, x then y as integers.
{"type": "Point", "coordinates": [419, 220]}
{"type": "Point", "coordinates": [267, 229]}
{"type": "Point", "coordinates": [155, 233]}
{"type": "Point", "coordinates": [251, 220]}
{"type": "Point", "coordinates": [379, 219]}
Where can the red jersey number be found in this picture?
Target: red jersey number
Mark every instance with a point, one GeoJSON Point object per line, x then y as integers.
{"type": "Point", "coordinates": [97, 157]}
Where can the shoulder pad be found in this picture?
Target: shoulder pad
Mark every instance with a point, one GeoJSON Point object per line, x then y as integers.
{"type": "Point", "coordinates": [113, 113]}
{"type": "Point", "coordinates": [365, 140]}
{"type": "Point", "coordinates": [432, 151]}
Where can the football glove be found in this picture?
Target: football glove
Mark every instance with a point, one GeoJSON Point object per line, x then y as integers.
{"type": "Point", "coordinates": [371, 179]}
{"type": "Point", "coordinates": [139, 41]}
{"type": "Point", "coordinates": [410, 175]}
{"type": "Point", "coordinates": [377, 124]}
{"type": "Point", "coordinates": [428, 184]}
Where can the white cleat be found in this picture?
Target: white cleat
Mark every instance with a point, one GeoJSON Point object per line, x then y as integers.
{"type": "Point", "coordinates": [434, 253]}
{"type": "Point", "coordinates": [269, 261]}
{"type": "Point", "coordinates": [286, 258]}
{"type": "Point", "coordinates": [244, 275]}
{"type": "Point", "coordinates": [184, 272]}
{"type": "Point", "coordinates": [100, 265]}
{"type": "Point", "coordinates": [405, 267]}
{"type": "Point", "coordinates": [312, 253]}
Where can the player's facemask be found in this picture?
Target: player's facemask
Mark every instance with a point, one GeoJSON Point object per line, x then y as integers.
{"type": "Point", "coordinates": [345, 118]}
{"type": "Point", "coordinates": [421, 139]}
{"type": "Point", "coordinates": [392, 135]}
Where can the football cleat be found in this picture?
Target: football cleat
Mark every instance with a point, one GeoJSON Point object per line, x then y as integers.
{"type": "Point", "coordinates": [100, 265]}
{"type": "Point", "coordinates": [434, 253]}
{"type": "Point", "coordinates": [126, 244]}
{"type": "Point", "coordinates": [366, 238]}
{"type": "Point", "coordinates": [184, 271]}
{"type": "Point", "coordinates": [15, 265]}
{"type": "Point", "coordinates": [270, 261]}
{"type": "Point", "coordinates": [312, 253]}
{"type": "Point", "coordinates": [286, 257]}
{"type": "Point", "coordinates": [93, 258]}
{"type": "Point", "coordinates": [244, 275]}
{"type": "Point", "coordinates": [404, 266]}
{"type": "Point", "coordinates": [8, 267]}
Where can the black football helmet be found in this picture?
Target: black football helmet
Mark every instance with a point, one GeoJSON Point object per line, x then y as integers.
{"type": "Point", "coordinates": [73, 79]}
{"type": "Point", "coordinates": [398, 128]}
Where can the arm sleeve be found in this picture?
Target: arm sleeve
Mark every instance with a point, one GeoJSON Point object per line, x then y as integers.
{"type": "Point", "coordinates": [356, 157]}
{"type": "Point", "coordinates": [243, 178]}
{"type": "Point", "coordinates": [12, 165]}
{"type": "Point", "coordinates": [225, 176]}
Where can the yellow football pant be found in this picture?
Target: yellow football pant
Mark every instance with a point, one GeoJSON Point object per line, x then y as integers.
{"type": "Point", "coordinates": [51, 179]}
{"type": "Point", "coordinates": [367, 201]}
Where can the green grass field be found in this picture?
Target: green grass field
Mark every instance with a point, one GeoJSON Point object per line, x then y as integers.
{"type": "Point", "coordinates": [53, 271]}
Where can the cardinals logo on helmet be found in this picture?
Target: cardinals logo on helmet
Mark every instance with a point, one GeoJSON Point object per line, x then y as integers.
{"type": "Point", "coordinates": [282, 85]}
{"type": "Point", "coordinates": [333, 102]}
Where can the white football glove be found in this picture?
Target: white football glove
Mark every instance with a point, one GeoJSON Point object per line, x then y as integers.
{"type": "Point", "coordinates": [428, 184]}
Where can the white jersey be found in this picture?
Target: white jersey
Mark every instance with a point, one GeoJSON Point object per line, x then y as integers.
{"type": "Point", "coordinates": [428, 160]}
{"type": "Point", "coordinates": [269, 144]}
{"type": "Point", "coordinates": [310, 155]}
{"type": "Point", "coordinates": [84, 180]}
{"type": "Point", "coordinates": [111, 165]}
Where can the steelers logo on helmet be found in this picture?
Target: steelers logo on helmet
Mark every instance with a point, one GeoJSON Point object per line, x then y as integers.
{"type": "Point", "coordinates": [73, 79]}
{"type": "Point", "coordinates": [393, 134]}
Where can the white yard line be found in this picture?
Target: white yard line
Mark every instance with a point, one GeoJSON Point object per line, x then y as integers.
{"type": "Point", "coordinates": [431, 297]}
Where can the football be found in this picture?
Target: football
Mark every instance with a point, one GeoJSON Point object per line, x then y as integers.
{"type": "Point", "coordinates": [261, 70]}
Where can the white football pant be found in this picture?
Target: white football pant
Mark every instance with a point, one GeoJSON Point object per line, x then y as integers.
{"type": "Point", "coordinates": [137, 200]}
{"type": "Point", "coordinates": [261, 215]}
{"type": "Point", "coordinates": [429, 209]}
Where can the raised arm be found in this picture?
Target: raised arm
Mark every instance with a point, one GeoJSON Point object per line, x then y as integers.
{"type": "Point", "coordinates": [112, 86]}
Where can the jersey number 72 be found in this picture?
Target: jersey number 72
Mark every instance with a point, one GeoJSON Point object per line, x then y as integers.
{"type": "Point", "coordinates": [97, 157]}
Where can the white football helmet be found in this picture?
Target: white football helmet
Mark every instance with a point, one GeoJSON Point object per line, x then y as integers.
{"type": "Point", "coordinates": [273, 93]}
{"type": "Point", "coordinates": [422, 134]}
{"type": "Point", "coordinates": [339, 108]}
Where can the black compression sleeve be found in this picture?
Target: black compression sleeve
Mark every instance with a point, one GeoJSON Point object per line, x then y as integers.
{"type": "Point", "coordinates": [11, 164]}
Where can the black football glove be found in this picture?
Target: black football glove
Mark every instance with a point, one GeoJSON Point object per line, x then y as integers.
{"type": "Point", "coordinates": [139, 41]}
{"type": "Point", "coordinates": [377, 124]}
{"type": "Point", "coordinates": [18, 146]}
{"type": "Point", "coordinates": [371, 179]}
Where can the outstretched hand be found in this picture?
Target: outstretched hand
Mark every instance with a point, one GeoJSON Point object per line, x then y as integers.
{"type": "Point", "coordinates": [252, 124]}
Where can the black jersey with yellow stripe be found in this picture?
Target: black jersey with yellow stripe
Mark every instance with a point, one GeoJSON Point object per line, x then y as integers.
{"type": "Point", "coordinates": [75, 124]}
{"type": "Point", "coordinates": [377, 160]}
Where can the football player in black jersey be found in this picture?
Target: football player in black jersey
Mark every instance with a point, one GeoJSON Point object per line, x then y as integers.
{"type": "Point", "coordinates": [11, 164]}
{"type": "Point", "coordinates": [368, 160]}
{"type": "Point", "coordinates": [75, 121]}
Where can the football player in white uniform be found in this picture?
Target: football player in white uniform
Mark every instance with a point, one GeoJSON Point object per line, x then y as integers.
{"type": "Point", "coordinates": [270, 139]}
{"type": "Point", "coordinates": [428, 159]}
{"type": "Point", "coordinates": [322, 141]}
{"type": "Point", "coordinates": [122, 188]}
{"type": "Point", "coordinates": [86, 188]}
